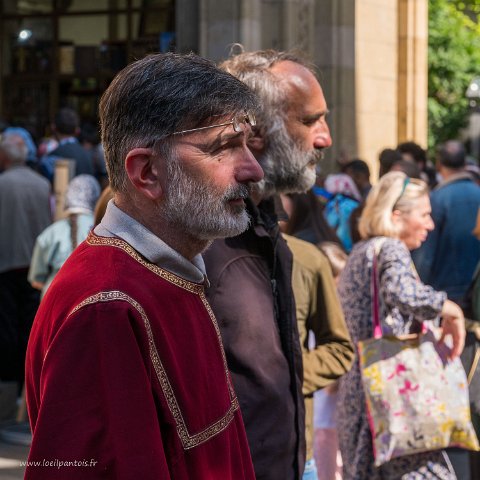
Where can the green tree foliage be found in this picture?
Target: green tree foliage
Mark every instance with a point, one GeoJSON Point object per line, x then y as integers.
{"type": "Point", "coordinates": [471, 7]}
{"type": "Point", "coordinates": [453, 61]}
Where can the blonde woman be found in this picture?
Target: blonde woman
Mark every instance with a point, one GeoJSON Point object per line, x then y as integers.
{"type": "Point", "coordinates": [397, 208]}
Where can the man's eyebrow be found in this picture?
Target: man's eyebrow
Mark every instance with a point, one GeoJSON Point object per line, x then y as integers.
{"type": "Point", "coordinates": [230, 136]}
{"type": "Point", "coordinates": [220, 140]}
{"type": "Point", "coordinates": [316, 116]}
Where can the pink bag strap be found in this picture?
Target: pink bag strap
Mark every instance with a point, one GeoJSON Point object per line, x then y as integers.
{"type": "Point", "coordinates": [374, 288]}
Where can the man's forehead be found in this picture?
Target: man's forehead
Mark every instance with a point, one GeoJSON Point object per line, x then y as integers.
{"type": "Point", "coordinates": [295, 74]}
{"type": "Point", "coordinates": [299, 81]}
{"type": "Point", "coordinates": [305, 99]}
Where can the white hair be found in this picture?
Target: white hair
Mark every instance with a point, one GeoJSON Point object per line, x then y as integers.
{"type": "Point", "coordinates": [14, 147]}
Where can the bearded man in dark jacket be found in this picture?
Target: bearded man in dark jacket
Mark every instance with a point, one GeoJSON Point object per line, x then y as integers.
{"type": "Point", "coordinates": [250, 275]}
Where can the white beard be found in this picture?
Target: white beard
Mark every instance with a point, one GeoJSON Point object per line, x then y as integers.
{"type": "Point", "coordinates": [197, 209]}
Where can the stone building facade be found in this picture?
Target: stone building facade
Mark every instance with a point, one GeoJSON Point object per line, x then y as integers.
{"type": "Point", "coordinates": [371, 54]}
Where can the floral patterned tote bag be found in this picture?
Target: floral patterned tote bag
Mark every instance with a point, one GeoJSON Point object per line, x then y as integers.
{"type": "Point", "coordinates": [417, 399]}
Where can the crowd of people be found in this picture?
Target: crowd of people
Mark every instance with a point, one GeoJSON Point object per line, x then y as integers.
{"type": "Point", "coordinates": [199, 318]}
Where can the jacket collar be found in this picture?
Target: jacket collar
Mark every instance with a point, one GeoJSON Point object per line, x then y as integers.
{"type": "Point", "coordinates": [266, 214]}
{"type": "Point", "coordinates": [454, 178]}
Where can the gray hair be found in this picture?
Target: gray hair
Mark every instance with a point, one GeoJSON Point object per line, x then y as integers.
{"type": "Point", "coordinates": [163, 93]}
{"type": "Point", "coordinates": [254, 69]}
{"type": "Point", "coordinates": [14, 148]}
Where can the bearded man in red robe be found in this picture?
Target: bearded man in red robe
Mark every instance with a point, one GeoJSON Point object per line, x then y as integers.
{"type": "Point", "coordinates": [126, 373]}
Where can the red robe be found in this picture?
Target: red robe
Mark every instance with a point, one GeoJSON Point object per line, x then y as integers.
{"type": "Point", "coordinates": [126, 376]}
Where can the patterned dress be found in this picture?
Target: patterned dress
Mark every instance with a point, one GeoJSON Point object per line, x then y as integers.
{"type": "Point", "coordinates": [404, 301]}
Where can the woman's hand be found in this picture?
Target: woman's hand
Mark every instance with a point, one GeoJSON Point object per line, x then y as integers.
{"type": "Point", "coordinates": [453, 323]}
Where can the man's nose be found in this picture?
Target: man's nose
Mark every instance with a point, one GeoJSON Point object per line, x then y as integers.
{"type": "Point", "coordinates": [248, 170]}
{"type": "Point", "coordinates": [322, 138]}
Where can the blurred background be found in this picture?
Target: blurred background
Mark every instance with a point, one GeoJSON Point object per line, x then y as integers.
{"type": "Point", "coordinates": [392, 70]}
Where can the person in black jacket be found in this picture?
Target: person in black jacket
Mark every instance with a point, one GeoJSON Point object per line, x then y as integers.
{"type": "Point", "coordinates": [250, 274]}
{"type": "Point", "coordinates": [66, 127]}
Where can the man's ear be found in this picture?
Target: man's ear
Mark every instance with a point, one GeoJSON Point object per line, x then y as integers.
{"type": "Point", "coordinates": [256, 143]}
{"type": "Point", "coordinates": [142, 168]}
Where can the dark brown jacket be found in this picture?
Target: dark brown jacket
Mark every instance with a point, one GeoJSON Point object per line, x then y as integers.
{"type": "Point", "coordinates": [251, 296]}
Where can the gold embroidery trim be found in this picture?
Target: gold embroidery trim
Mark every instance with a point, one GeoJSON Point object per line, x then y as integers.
{"type": "Point", "coordinates": [95, 240]}
{"type": "Point", "coordinates": [188, 440]}
{"type": "Point", "coordinates": [195, 288]}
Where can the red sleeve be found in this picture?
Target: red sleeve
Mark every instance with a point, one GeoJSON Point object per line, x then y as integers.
{"type": "Point", "coordinates": [96, 404]}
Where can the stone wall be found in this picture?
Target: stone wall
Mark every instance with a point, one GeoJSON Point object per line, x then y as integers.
{"type": "Point", "coordinates": [371, 54]}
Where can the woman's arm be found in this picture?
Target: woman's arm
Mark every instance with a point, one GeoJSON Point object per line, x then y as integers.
{"type": "Point", "coordinates": [401, 288]}
{"type": "Point", "coordinates": [453, 323]}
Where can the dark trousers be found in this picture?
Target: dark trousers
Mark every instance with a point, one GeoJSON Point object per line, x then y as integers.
{"type": "Point", "coordinates": [18, 306]}
{"type": "Point", "coordinates": [460, 462]}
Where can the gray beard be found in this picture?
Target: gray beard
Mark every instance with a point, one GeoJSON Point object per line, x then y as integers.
{"type": "Point", "coordinates": [197, 209]}
{"type": "Point", "coordinates": [286, 166]}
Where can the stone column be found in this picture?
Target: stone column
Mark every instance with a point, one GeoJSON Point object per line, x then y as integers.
{"type": "Point", "coordinates": [412, 71]}
{"type": "Point", "coordinates": [219, 27]}
{"type": "Point", "coordinates": [299, 25]}
{"type": "Point", "coordinates": [187, 25]}
{"type": "Point", "coordinates": [376, 78]}
{"type": "Point", "coordinates": [256, 24]}
{"type": "Point", "coordinates": [251, 24]}
{"type": "Point", "coordinates": [334, 53]}
{"type": "Point", "coordinates": [391, 40]}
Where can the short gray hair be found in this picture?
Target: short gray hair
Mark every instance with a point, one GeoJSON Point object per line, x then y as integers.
{"type": "Point", "coordinates": [14, 148]}
{"type": "Point", "coordinates": [254, 69]}
{"type": "Point", "coordinates": [158, 95]}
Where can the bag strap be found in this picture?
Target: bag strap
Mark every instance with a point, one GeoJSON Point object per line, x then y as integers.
{"type": "Point", "coordinates": [473, 368]}
{"type": "Point", "coordinates": [374, 288]}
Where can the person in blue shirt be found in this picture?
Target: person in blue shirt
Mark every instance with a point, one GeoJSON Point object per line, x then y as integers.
{"type": "Point", "coordinates": [447, 259]}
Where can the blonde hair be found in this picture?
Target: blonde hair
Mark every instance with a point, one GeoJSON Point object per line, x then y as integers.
{"type": "Point", "coordinates": [394, 191]}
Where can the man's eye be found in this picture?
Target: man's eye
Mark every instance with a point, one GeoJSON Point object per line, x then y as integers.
{"type": "Point", "coordinates": [310, 121]}
{"type": "Point", "coordinates": [218, 149]}
{"type": "Point", "coordinates": [224, 147]}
